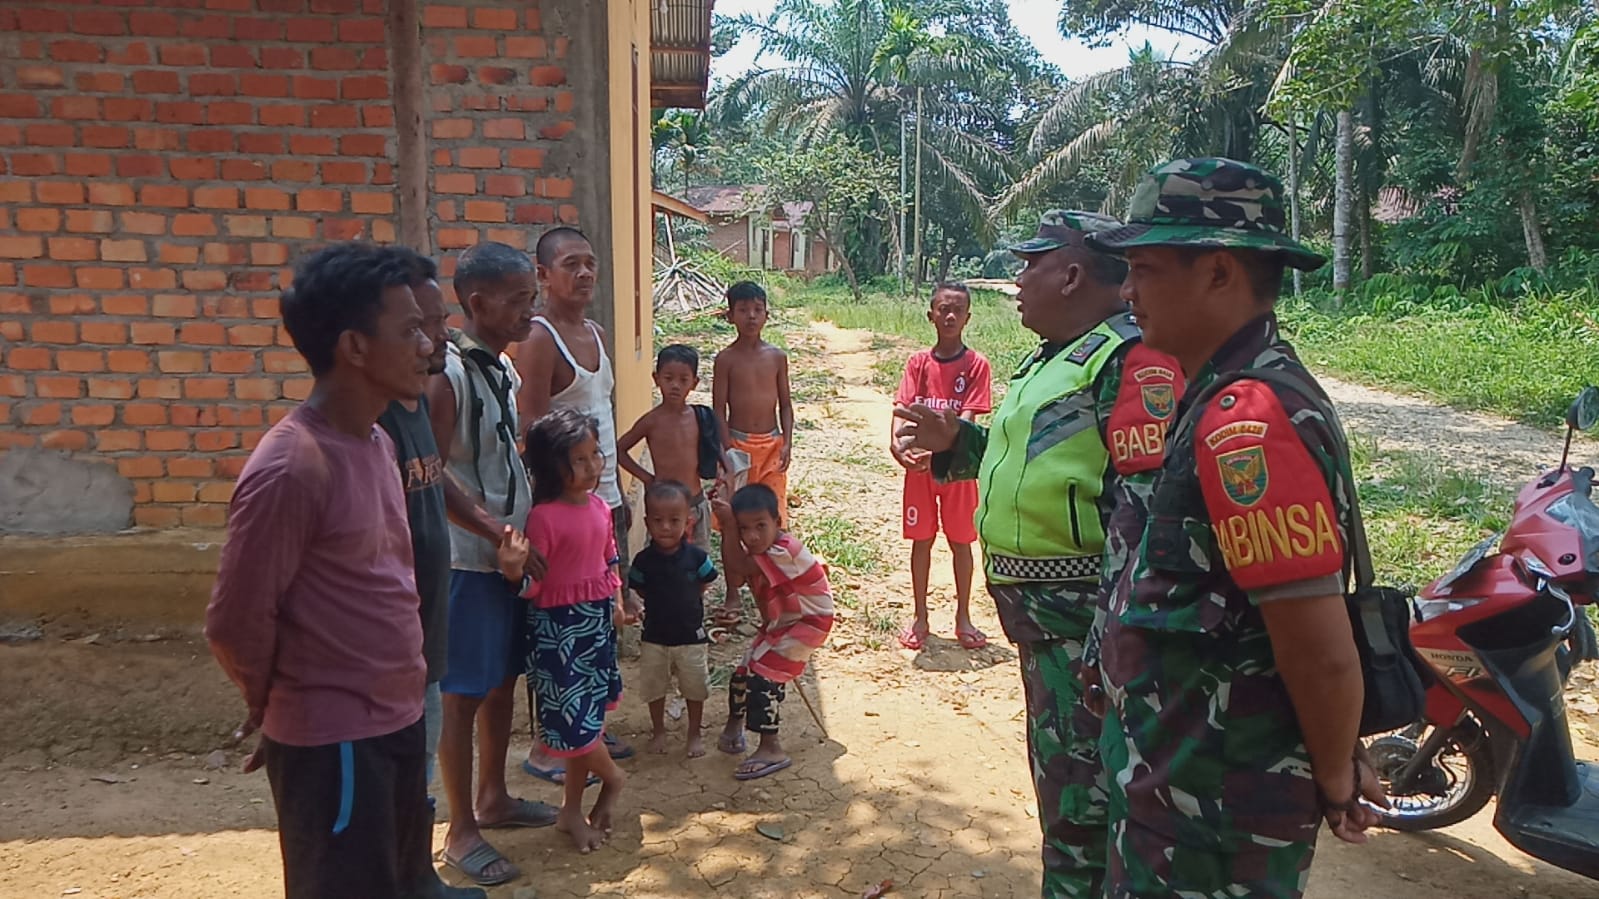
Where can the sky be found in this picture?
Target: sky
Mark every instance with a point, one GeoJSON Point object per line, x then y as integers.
{"type": "Point", "coordinates": [1033, 18]}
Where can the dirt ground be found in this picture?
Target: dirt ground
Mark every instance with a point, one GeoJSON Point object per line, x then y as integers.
{"type": "Point", "coordinates": [106, 788]}
{"type": "Point", "coordinates": [1498, 451]}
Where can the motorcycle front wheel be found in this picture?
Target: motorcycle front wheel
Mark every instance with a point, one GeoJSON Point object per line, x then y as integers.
{"type": "Point", "coordinates": [1447, 789]}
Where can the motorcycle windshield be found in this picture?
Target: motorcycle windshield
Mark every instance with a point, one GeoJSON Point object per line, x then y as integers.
{"type": "Point", "coordinates": [1577, 511]}
{"type": "Point", "coordinates": [1468, 562]}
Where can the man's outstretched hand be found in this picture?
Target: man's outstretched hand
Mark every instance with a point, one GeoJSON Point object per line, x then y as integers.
{"type": "Point", "coordinates": [927, 429]}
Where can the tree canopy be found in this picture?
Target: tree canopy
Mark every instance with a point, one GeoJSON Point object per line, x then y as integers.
{"type": "Point", "coordinates": [1454, 141]}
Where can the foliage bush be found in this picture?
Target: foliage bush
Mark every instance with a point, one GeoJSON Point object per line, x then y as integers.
{"type": "Point", "coordinates": [1515, 347]}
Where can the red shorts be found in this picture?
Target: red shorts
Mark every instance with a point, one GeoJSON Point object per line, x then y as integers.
{"type": "Point", "coordinates": [927, 503]}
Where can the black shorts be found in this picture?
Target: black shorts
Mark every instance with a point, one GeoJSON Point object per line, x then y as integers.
{"type": "Point", "coordinates": [353, 819]}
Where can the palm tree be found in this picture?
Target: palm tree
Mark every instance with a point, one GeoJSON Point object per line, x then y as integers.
{"type": "Point", "coordinates": [851, 68]}
{"type": "Point", "coordinates": [680, 139]}
{"type": "Point", "coordinates": [1155, 107]}
{"type": "Point", "coordinates": [1451, 58]}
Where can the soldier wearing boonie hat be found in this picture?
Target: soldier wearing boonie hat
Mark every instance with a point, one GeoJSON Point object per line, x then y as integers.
{"type": "Point", "coordinates": [1234, 684]}
{"type": "Point", "coordinates": [1046, 484]}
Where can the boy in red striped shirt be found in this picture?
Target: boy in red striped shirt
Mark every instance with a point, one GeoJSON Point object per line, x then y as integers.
{"type": "Point", "coordinates": [952, 376]}
{"type": "Point", "coordinates": [796, 606]}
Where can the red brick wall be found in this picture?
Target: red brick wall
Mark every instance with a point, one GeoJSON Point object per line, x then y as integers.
{"type": "Point", "coordinates": [163, 164]}
{"type": "Point", "coordinates": [162, 167]}
{"type": "Point", "coordinates": [783, 250]}
{"type": "Point", "coordinates": [731, 239]}
{"type": "Point", "coordinates": [816, 256]}
{"type": "Point", "coordinates": [499, 102]}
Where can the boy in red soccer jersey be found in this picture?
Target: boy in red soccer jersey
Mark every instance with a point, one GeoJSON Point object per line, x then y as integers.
{"type": "Point", "coordinates": [953, 376]}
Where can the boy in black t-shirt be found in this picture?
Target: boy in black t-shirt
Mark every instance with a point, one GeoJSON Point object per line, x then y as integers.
{"type": "Point", "coordinates": [671, 575]}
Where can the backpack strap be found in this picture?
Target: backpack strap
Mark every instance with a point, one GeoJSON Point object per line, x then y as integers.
{"type": "Point", "coordinates": [1357, 562]}
{"type": "Point", "coordinates": [501, 391]}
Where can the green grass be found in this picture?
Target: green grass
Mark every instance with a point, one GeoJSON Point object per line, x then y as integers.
{"type": "Point", "coordinates": [706, 333]}
{"type": "Point", "coordinates": [812, 385]}
{"type": "Point", "coordinates": [1525, 360]}
{"type": "Point", "coordinates": [995, 331]}
{"type": "Point", "coordinates": [838, 541]}
{"type": "Point", "coordinates": [870, 458]}
{"type": "Point", "coordinates": [710, 333]}
{"type": "Point", "coordinates": [1421, 516]}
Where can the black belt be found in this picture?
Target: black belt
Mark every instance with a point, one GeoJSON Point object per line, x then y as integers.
{"type": "Point", "coordinates": [1051, 568]}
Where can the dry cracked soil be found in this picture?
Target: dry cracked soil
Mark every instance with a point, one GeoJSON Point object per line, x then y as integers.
{"type": "Point", "coordinates": [109, 784]}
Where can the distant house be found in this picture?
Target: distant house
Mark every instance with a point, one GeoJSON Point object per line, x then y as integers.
{"type": "Point", "coordinates": [751, 230]}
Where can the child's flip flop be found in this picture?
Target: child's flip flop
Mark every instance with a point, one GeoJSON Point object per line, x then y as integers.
{"type": "Point", "coordinates": [617, 754]}
{"type": "Point", "coordinates": [555, 776]}
{"type": "Point", "coordinates": [761, 769]}
{"type": "Point", "coordinates": [972, 639]}
{"type": "Point", "coordinates": [735, 746]}
{"type": "Point", "coordinates": [909, 639]}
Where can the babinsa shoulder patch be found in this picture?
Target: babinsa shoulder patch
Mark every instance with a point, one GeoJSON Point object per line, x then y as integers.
{"type": "Point", "coordinates": [1268, 500]}
{"type": "Point", "coordinates": [1151, 384]}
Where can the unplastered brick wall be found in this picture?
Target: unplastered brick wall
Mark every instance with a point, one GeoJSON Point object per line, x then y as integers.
{"type": "Point", "coordinates": [500, 121]}
{"type": "Point", "coordinates": [161, 166]}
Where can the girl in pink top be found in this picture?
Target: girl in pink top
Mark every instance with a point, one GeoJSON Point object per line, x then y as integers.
{"type": "Point", "coordinates": [574, 615]}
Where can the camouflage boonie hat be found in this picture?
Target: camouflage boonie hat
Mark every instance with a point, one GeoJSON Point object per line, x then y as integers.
{"type": "Point", "coordinates": [1208, 203]}
{"type": "Point", "coordinates": [1055, 227]}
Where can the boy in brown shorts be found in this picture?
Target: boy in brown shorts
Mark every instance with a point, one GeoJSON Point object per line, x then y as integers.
{"type": "Point", "coordinates": [671, 575]}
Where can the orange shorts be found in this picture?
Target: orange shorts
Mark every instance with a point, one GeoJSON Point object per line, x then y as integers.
{"type": "Point", "coordinates": [928, 503]}
{"type": "Point", "coordinates": [766, 467]}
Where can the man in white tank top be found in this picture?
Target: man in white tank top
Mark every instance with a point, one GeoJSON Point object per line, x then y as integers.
{"type": "Point", "coordinates": [563, 365]}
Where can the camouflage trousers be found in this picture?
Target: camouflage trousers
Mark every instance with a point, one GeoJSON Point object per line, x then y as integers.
{"type": "Point", "coordinates": [1062, 744]}
{"type": "Point", "coordinates": [1146, 864]}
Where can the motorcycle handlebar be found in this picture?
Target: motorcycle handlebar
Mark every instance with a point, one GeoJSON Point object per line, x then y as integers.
{"type": "Point", "coordinates": [1571, 610]}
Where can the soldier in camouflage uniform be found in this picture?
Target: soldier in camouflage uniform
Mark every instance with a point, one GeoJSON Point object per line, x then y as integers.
{"type": "Point", "coordinates": [1046, 488]}
{"type": "Point", "coordinates": [1227, 656]}
{"type": "Point", "coordinates": [1151, 386]}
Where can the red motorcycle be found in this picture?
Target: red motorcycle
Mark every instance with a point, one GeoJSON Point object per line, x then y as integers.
{"type": "Point", "coordinates": [1500, 634]}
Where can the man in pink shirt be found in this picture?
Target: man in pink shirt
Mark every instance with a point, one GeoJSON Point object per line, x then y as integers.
{"type": "Point", "coordinates": [315, 610]}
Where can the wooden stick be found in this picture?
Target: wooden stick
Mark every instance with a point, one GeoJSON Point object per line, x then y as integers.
{"type": "Point", "coordinates": [800, 689]}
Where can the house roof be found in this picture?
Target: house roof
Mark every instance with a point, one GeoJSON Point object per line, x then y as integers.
{"type": "Point", "coordinates": [664, 202]}
{"type": "Point", "coordinates": [796, 212]}
{"type": "Point", "coordinates": [736, 200]}
{"type": "Point", "coordinates": [680, 53]}
{"type": "Point", "coordinates": [727, 199]}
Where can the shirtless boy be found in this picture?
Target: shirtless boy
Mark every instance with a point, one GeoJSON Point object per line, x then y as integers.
{"type": "Point", "coordinates": [672, 431]}
{"type": "Point", "coordinates": [749, 392]}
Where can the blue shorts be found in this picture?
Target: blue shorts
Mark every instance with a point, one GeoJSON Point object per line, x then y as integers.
{"type": "Point", "coordinates": [485, 644]}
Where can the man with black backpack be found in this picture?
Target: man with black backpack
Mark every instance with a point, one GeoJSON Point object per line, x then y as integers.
{"type": "Point", "coordinates": [1229, 659]}
{"type": "Point", "coordinates": [473, 407]}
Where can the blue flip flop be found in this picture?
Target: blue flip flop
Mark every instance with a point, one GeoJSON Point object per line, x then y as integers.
{"type": "Point", "coordinates": [765, 768]}
{"type": "Point", "coordinates": [555, 776]}
{"type": "Point", "coordinates": [617, 754]}
{"type": "Point", "coordinates": [525, 814]}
